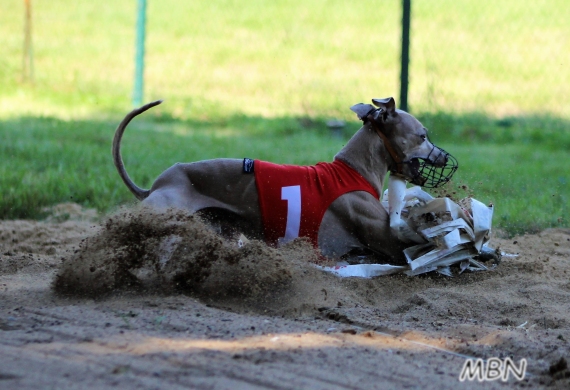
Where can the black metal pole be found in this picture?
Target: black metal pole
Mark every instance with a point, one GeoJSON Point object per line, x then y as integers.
{"type": "Point", "coordinates": [406, 16]}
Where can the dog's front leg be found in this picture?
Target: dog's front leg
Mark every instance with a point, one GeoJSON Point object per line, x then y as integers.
{"type": "Point", "coordinates": [358, 220]}
{"type": "Point", "coordinates": [396, 200]}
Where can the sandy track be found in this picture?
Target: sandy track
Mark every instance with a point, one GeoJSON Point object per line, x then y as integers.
{"type": "Point", "coordinates": [317, 331]}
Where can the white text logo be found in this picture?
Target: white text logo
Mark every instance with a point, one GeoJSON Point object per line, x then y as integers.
{"type": "Point", "coordinates": [492, 369]}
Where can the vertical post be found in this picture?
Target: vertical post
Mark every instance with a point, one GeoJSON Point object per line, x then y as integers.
{"type": "Point", "coordinates": [406, 16]}
{"type": "Point", "coordinates": [28, 55]}
{"type": "Point", "coordinates": [139, 54]}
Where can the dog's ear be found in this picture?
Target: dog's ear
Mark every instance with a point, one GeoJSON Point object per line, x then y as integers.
{"type": "Point", "coordinates": [387, 104]}
{"type": "Point", "coordinates": [362, 110]}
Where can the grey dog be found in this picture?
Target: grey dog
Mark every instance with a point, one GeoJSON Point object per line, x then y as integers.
{"type": "Point", "coordinates": [389, 140]}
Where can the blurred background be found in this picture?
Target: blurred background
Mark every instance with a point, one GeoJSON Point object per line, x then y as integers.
{"type": "Point", "coordinates": [290, 57]}
{"type": "Point", "coordinates": [489, 79]}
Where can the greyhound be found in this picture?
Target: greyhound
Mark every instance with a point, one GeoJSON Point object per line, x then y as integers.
{"type": "Point", "coordinates": [231, 189]}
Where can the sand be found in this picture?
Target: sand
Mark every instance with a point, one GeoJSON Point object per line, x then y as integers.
{"type": "Point", "coordinates": [136, 300]}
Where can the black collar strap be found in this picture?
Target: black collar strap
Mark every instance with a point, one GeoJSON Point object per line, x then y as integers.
{"type": "Point", "coordinates": [371, 117]}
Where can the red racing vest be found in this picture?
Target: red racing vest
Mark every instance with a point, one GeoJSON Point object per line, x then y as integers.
{"type": "Point", "coordinates": [293, 199]}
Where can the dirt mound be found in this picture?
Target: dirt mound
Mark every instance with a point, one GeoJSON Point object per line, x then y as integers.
{"type": "Point", "coordinates": [36, 246]}
{"type": "Point", "coordinates": [170, 251]}
{"type": "Point", "coordinates": [70, 211]}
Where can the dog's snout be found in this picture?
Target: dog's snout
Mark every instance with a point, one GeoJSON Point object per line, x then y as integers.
{"type": "Point", "coordinates": [437, 156]}
{"type": "Point", "coordinates": [434, 170]}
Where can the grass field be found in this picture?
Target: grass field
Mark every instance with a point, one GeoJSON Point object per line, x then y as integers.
{"type": "Point", "coordinates": [260, 79]}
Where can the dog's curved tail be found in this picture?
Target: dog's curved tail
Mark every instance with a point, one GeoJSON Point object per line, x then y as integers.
{"type": "Point", "coordinates": [139, 193]}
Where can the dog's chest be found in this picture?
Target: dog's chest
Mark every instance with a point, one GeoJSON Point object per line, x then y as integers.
{"type": "Point", "coordinates": [293, 199]}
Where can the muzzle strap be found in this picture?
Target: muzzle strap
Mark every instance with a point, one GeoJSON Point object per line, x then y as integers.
{"type": "Point", "coordinates": [429, 175]}
{"type": "Point", "coordinates": [387, 144]}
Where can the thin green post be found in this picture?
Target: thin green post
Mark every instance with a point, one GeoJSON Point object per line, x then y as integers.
{"type": "Point", "coordinates": [28, 57]}
{"type": "Point", "coordinates": [406, 16]}
{"type": "Point", "coordinates": [139, 55]}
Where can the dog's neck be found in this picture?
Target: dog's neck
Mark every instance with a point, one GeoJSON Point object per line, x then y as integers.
{"type": "Point", "coordinates": [366, 153]}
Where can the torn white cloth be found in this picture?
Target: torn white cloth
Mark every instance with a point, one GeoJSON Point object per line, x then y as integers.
{"type": "Point", "coordinates": [364, 270]}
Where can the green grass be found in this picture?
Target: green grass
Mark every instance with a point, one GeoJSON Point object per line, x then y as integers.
{"type": "Point", "coordinates": [501, 58]}
{"type": "Point", "coordinates": [52, 160]}
{"type": "Point", "coordinates": [260, 79]}
{"type": "Point", "coordinates": [289, 57]}
{"type": "Point", "coordinates": [47, 160]}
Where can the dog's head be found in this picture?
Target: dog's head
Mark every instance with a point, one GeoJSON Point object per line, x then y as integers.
{"type": "Point", "coordinates": [406, 140]}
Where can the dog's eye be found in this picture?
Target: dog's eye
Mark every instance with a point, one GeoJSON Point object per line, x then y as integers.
{"type": "Point", "coordinates": [423, 137]}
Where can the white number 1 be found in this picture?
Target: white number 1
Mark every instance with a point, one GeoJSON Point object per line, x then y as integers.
{"type": "Point", "coordinates": [292, 195]}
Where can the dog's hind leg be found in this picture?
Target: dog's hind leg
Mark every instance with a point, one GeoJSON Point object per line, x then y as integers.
{"type": "Point", "coordinates": [180, 193]}
{"type": "Point", "coordinates": [172, 189]}
{"type": "Point", "coordinates": [218, 184]}
{"type": "Point", "coordinates": [170, 197]}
